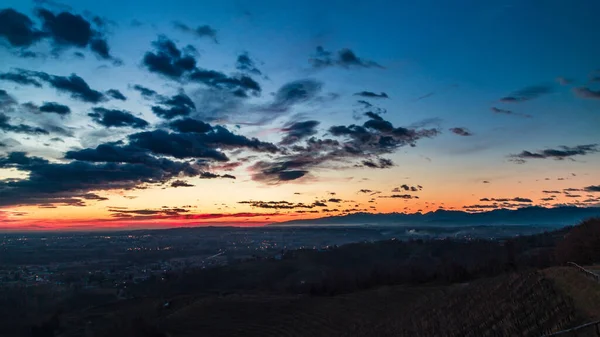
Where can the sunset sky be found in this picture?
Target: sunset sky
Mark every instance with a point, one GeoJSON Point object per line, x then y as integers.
{"type": "Point", "coordinates": [117, 114]}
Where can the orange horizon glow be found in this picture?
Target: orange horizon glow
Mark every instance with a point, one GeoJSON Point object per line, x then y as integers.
{"type": "Point", "coordinates": [13, 221]}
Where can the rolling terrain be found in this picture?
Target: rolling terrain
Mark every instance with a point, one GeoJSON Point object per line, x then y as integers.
{"type": "Point", "coordinates": [519, 286]}
{"type": "Point", "coordinates": [524, 304]}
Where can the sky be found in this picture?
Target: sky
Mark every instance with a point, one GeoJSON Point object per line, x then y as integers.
{"type": "Point", "coordinates": [116, 115]}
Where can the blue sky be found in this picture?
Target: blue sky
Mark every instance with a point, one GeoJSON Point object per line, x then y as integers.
{"type": "Point", "coordinates": [442, 64]}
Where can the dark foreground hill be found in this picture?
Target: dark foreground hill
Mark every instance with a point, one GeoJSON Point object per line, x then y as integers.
{"type": "Point", "coordinates": [516, 304]}
{"type": "Point", "coordinates": [446, 287]}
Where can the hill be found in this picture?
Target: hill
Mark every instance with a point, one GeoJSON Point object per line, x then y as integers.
{"type": "Point", "coordinates": [524, 304]}
{"type": "Point", "coordinates": [558, 216]}
{"type": "Point", "coordinates": [386, 288]}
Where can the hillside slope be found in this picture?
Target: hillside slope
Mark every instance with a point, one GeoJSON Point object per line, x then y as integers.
{"type": "Point", "coordinates": [524, 304]}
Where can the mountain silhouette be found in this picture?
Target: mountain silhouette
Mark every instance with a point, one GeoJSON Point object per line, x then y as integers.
{"type": "Point", "coordinates": [557, 216]}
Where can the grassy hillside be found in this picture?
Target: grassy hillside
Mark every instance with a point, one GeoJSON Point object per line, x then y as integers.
{"type": "Point", "coordinates": [584, 291]}
{"type": "Point", "coordinates": [524, 304]}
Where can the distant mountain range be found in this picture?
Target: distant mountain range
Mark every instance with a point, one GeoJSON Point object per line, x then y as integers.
{"type": "Point", "coordinates": [558, 216]}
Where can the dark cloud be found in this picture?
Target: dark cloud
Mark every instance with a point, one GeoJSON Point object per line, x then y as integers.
{"type": "Point", "coordinates": [461, 131]}
{"type": "Point", "coordinates": [592, 188]}
{"type": "Point", "coordinates": [176, 214]}
{"type": "Point", "coordinates": [69, 183]}
{"type": "Point", "coordinates": [175, 144]}
{"type": "Point", "coordinates": [240, 86]}
{"type": "Point", "coordinates": [551, 192]}
{"type": "Point", "coordinates": [326, 210]}
{"type": "Point", "coordinates": [344, 58]}
{"type": "Point", "coordinates": [28, 54]}
{"type": "Point", "coordinates": [196, 145]}
{"type": "Point", "coordinates": [370, 94]}
{"type": "Point", "coordinates": [66, 28]}
{"type": "Point", "coordinates": [116, 94]}
{"type": "Point", "coordinates": [208, 175]}
{"type": "Point", "coordinates": [367, 109]}
{"type": "Point", "coordinates": [18, 29]}
{"type": "Point", "coordinates": [181, 183]}
{"type": "Point", "coordinates": [560, 153]}
{"type": "Point", "coordinates": [117, 118]}
{"type": "Point", "coordinates": [365, 191]}
{"type": "Point", "coordinates": [294, 132]}
{"type": "Point", "coordinates": [508, 112]}
{"type": "Point", "coordinates": [93, 196]}
{"type": "Point", "coordinates": [53, 107]}
{"type": "Point", "coordinates": [547, 199]}
{"type": "Point", "coordinates": [518, 199]}
{"type": "Point", "coordinates": [200, 31]}
{"type": "Point", "coordinates": [70, 30]}
{"type": "Point", "coordinates": [405, 187]}
{"type": "Point", "coordinates": [294, 93]}
{"type": "Point", "coordinates": [118, 212]}
{"type": "Point", "coordinates": [178, 105]}
{"type": "Point", "coordinates": [74, 85]}
{"type": "Point", "coordinates": [145, 92]}
{"type": "Point", "coordinates": [527, 94]}
{"type": "Point", "coordinates": [515, 199]}
{"type": "Point", "coordinates": [245, 64]}
{"type": "Point", "coordinates": [168, 60]}
{"type": "Point", "coordinates": [6, 100]}
{"type": "Point", "coordinates": [101, 48]}
{"type": "Point", "coordinates": [291, 175]}
{"type": "Point", "coordinates": [587, 93]}
{"type": "Point", "coordinates": [380, 163]}
{"type": "Point", "coordinates": [185, 125]}
{"type": "Point", "coordinates": [364, 105]}
{"type": "Point", "coordinates": [279, 171]}
{"type": "Point", "coordinates": [379, 136]}
{"type": "Point", "coordinates": [361, 143]}
{"type": "Point", "coordinates": [19, 128]}
{"type": "Point", "coordinates": [118, 153]}
{"type": "Point", "coordinates": [373, 115]}
{"type": "Point", "coordinates": [63, 30]}
{"type": "Point", "coordinates": [171, 62]}
{"type": "Point", "coordinates": [20, 78]}
{"type": "Point", "coordinates": [472, 208]}
{"type": "Point", "coordinates": [400, 196]}
{"type": "Point", "coordinates": [281, 204]}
